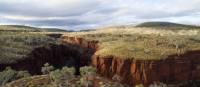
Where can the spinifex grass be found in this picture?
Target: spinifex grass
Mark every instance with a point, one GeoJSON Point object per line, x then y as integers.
{"type": "Point", "coordinates": [127, 43]}
{"type": "Point", "coordinates": [15, 46]}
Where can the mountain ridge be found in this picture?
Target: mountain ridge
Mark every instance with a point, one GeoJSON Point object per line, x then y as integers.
{"type": "Point", "coordinates": [165, 24]}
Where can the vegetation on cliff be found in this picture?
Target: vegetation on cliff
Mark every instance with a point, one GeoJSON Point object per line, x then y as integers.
{"type": "Point", "coordinates": [145, 44]}
{"type": "Point", "coordinates": [18, 41]}
{"type": "Point", "coordinates": [9, 75]}
{"type": "Point", "coordinates": [133, 43]}
{"type": "Point", "coordinates": [17, 46]}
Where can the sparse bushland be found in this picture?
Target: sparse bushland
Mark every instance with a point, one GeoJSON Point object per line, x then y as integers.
{"type": "Point", "coordinates": [9, 75]}
{"type": "Point", "coordinates": [123, 43]}
{"type": "Point", "coordinates": [140, 46]}
{"type": "Point", "coordinates": [87, 70]}
{"type": "Point", "coordinates": [61, 78]}
{"type": "Point", "coordinates": [65, 77]}
{"type": "Point", "coordinates": [46, 69]}
{"type": "Point", "coordinates": [88, 74]}
{"type": "Point", "coordinates": [18, 41]}
{"type": "Point", "coordinates": [16, 46]}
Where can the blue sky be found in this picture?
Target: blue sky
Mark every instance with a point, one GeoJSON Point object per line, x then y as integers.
{"type": "Point", "coordinates": [79, 14]}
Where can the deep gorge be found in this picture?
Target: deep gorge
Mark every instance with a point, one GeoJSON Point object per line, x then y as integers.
{"type": "Point", "coordinates": [78, 52]}
{"type": "Point", "coordinates": [58, 55]}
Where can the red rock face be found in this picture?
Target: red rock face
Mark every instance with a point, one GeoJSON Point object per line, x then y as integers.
{"type": "Point", "coordinates": [174, 69]}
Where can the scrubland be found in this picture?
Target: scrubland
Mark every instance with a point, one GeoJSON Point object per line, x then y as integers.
{"type": "Point", "coordinates": [142, 43]}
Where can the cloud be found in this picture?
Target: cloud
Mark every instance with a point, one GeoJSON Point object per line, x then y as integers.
{"type": "Point", "coordinates": [90, 13]}
{"type": "Point", "coordinates": [47, 8]}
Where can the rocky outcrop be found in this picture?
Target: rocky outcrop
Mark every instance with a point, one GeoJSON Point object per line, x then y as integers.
{"type": "Point", "coordinates": [175, 69]}
{"type": "Point", "coordinates": [172, 70]}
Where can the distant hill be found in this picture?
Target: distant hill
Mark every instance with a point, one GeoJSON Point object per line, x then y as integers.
{"type": "Point", "coordinates": [54, 30]}
{"type": "Point", "coordinates": [20, 28]}
{"type": "Point", "coordinates": [165, 24]}
{"type": "Point", "coordinates": [157, 25]}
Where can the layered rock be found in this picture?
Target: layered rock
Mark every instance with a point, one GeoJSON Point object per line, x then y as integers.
{"type": "Point", "coordinates": [174, 69]}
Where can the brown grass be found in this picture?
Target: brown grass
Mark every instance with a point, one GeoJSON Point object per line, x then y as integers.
{"type": "Point", "coordinates": [142, 43]}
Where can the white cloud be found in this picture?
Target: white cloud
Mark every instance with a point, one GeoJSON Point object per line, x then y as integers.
{"type": "Point", "coordinates": [90, 13]}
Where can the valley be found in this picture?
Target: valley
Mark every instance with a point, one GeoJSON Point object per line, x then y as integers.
{"type": "Point", "coordinates": [136, 55]}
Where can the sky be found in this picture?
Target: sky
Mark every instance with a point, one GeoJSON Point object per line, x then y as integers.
{"type": "Point", "coordinates": [83, 14]}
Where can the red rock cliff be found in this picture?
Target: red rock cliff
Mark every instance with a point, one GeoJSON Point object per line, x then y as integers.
{"type": "Point", "coordinates": [174, 69]}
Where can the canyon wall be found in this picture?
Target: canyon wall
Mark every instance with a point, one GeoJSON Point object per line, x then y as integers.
{"type": "Point", "coordinates": [81, 52]}
{"type": "Point", "coordinates": [172, 70]}
{"type": "Point", "coordinates": [175, 69]}
{"type": "Point", "coordinates": [56, 55]}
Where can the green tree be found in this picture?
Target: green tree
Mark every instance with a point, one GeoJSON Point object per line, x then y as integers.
{"type": "Point", "coordinates": [22, 74]}
{"type": "Point", "coordinates": [7, 75]}
{"type": "Point", "coordinates": [61, 78]}
{"type": "Point", "coordinates": [86, 70]}
{"type": "Point", "coordinates": [47, 68]}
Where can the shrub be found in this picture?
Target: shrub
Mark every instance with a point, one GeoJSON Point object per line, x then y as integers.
{"type": "Point", "coordinates": [22, 74]}
{"type": "Point", "coordinates": [9, 75]}
{"type": "Point", "coordinates": [85, 82]}
{"type": "Point", "coordinates": [88, 74]}
{"type": "Point", "coordinates": [47, 68]}
{"type": "Point", "coordinates": [56, 77]}
{"type": "Point", "coordinates": [69, 70]}
{"type": "Point", "coordinates": [87, 70]}
{"type": "Point", "coordinates": [61, 78]}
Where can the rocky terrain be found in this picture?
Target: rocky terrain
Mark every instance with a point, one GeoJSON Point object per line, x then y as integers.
{"type": "Point", "coordinates": [172, 70]}
{"type": "Point", "coordinates": [135, 57]}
